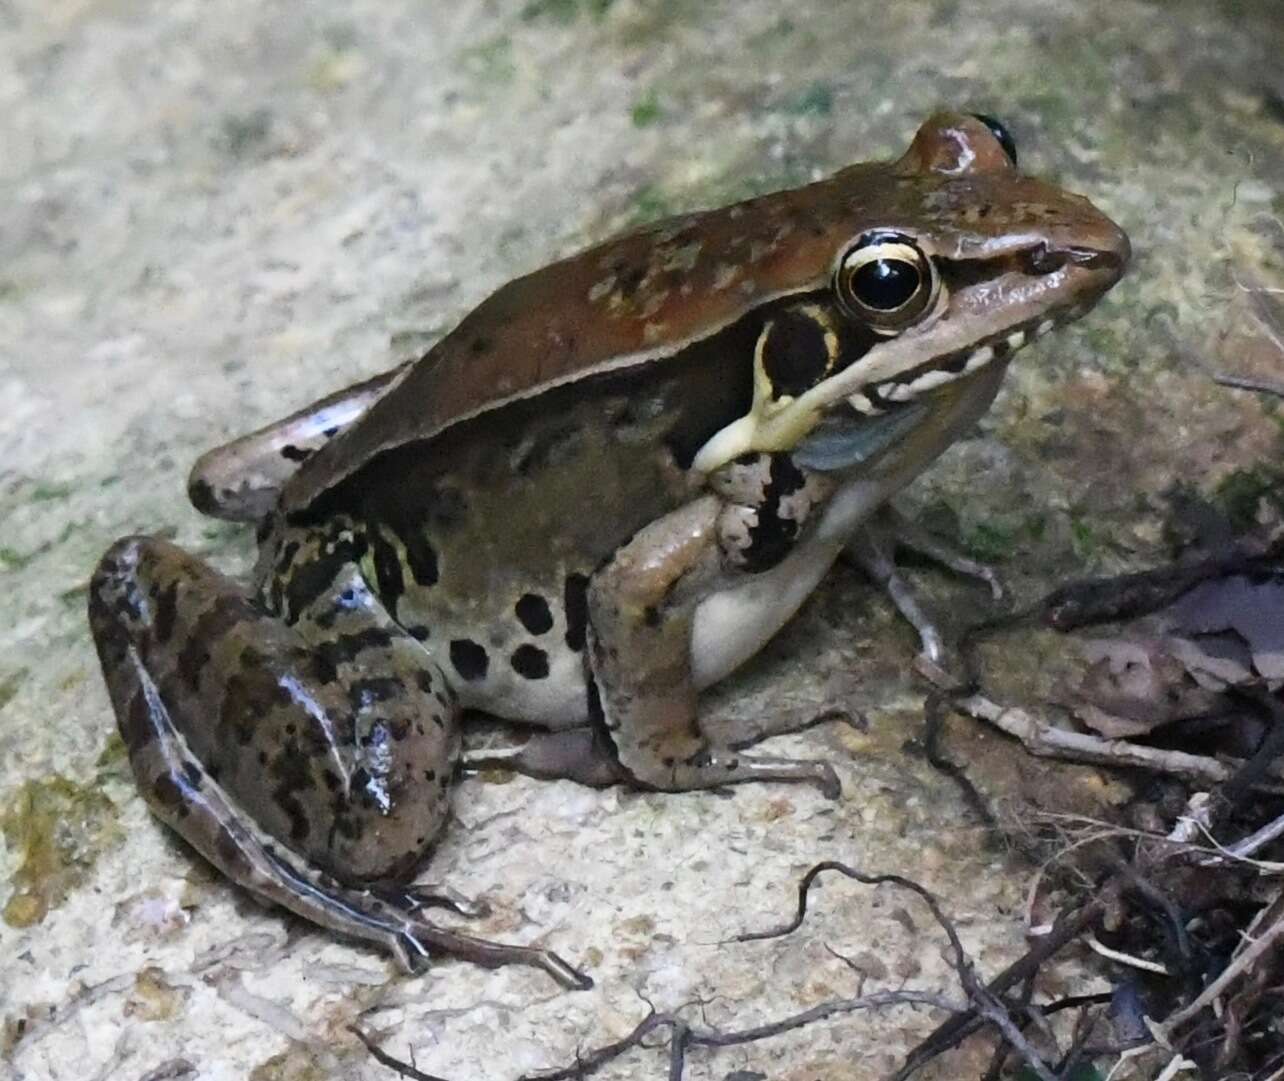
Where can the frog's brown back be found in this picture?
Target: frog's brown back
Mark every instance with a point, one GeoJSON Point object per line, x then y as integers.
{"type": "Point", "coordinates": [639, 298]}
{"type": "Point", "coordinates": [631, 300]}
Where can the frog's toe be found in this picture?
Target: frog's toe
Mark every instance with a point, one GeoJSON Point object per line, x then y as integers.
{"type": "Point", "coordinates": [411, 954]}
{"type": "Point", "coordinates": [426, 896]}
{"type": "Point", "coordinates": [417, 939]}
{"type": "Point", "coordinates": [565, 973]}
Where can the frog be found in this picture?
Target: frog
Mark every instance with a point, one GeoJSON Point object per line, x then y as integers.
{"type": "Point", "coordinates": [605, 490]}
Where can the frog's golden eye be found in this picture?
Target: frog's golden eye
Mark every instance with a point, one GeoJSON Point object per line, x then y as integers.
{"type": "Point", "coordinates": [886, 282]}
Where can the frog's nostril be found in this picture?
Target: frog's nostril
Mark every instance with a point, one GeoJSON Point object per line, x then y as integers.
{"type": "Point", "coordinates": [1042, 259]}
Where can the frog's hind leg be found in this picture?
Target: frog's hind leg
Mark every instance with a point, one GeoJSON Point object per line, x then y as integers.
{"type": "Point", "coordinates": [242, 480]}
{"type": "Point", "coordinates": [299, 777]}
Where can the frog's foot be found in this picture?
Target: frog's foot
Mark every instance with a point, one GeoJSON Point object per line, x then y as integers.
{"type": "Point", "coordinates": [573, 754]}
{"type": "Point", "coordinates": [425, 895]}
{"type": "Point", "coordinates": [285, 766]}
{"type": "Point", "coordinates": [641, 613]}
{"type": "Point", "coordinates": [873, 549]}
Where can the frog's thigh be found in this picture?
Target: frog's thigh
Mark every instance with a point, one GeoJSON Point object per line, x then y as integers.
{"type": "Point", "coordinates": [219, 703]}
{"type": "Point", "coordinates": [242, 480]}
{"type": "Point", "coordinates": [351, 772]}
{"type": "Point", "coordinates": [641, 612]}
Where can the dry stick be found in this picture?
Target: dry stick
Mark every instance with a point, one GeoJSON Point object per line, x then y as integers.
{"type": "Point", "coordinates": [1241, 964]}
{"type": "Point", "coordinates": [1068, 927]}
{"type": "Point", "coordinates": [685, 1036]}
{"type": "Point", "coordinates": [1238, 382]}
{"type": "Point", "coordinates": [985, 1004]}
{"type": "Point", "coordinates": [934, 711]}
{"type": "Point", "coordinates": [688, 1037]}
{"type": "Point", "coordinates": [804, 889]}
{"type": "Point", "coordinates": [384, 1059]}
{"type": "Point", "coordinates": [1130, 596]}
{"type": "Point", "coordinates": [1259, 839]}
{"type": "Point", "coordinates": [1239, 786]}
{"type": "Point", "coordinates": [1046, 740]}
{"type": "Point", "coordinates": [1001, 1046]}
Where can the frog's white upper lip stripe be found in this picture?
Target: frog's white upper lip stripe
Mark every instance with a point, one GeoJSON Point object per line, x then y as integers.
{"type": "Point", "coordinates": [946, 370]}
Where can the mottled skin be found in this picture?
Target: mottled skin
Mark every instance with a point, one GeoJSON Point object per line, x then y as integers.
{"type": "Point", "coordinates": [606, 489]}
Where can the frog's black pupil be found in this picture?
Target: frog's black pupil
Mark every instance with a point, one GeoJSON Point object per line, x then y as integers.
{"type": "Point", "coordinates": [885, 284]}
{"type": "Point", "coordinates": [1001, 133]}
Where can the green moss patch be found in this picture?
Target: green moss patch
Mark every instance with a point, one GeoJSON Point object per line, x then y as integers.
{"type": "Point", "coordinates": [58, 829]}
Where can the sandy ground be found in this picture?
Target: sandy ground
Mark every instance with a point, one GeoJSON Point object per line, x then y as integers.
{"type": "Point", "coordinates": [212, 212]}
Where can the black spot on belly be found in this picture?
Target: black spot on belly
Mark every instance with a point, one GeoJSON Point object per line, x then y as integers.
{"type": "Point", "coordinates": [470, 659]}
{"type": "Point", "coordinates": [533, 612]}
{"type": "Point", "coordinates": [291, 453]}
{"type": "Point", "coordinates": [530, 662]}
{"type": "Point", "coordinates": [387, 569]}
{"type": "Point", "coordinates": [422, 558]}
{"type": "Point", "coordinates": [575, 601]}
{"type": "Point", "coordinates": [418, 632]}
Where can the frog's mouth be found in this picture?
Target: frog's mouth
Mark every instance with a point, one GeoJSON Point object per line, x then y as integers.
{"type": "Point", "coordinates": [995, 303]}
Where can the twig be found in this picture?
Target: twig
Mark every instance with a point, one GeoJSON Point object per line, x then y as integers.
{"type": "Point", "coordinates": [1240, 784]}
{"type": "Point", "coordinates": [934, 711]}
{"type": "Point", "coordinates": [1242, 962]}
{"type": "Point", "coordinates": [1258, 839]}
{"type": "Point", "coordinates": [384, 1059]}
{"type": "Point", "coordinates": [1069, 926]}
{"type": "Point", "coordinates": [989, 1007]}
{"type": "Point", "coordinates": [687, 1036]}
{"type": "Point", "coordinates": [804, 888]}
{"type": "Point", "coordinates": [1126, 596]}
{"type": "Point", "coordinates": [1125, 958]}
{"type": "Point", "coordinates": [1238, 382]}
{"type": "Point", "coordinates": [1047, 740]}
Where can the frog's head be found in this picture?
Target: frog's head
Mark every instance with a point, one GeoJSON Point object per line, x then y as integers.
{"type": "Point", "coordinates": [942, 262]}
